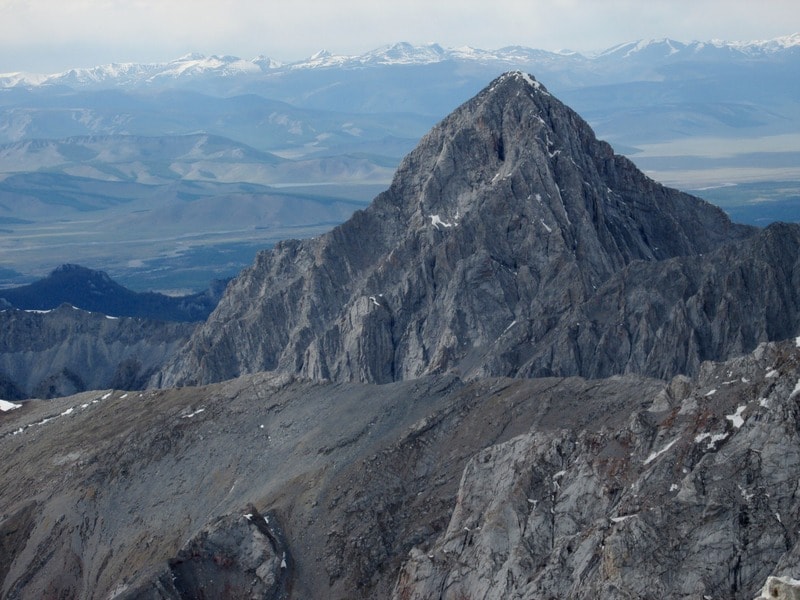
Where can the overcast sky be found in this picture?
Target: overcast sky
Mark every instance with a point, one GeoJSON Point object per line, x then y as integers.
{"type": "Point", "coordinates": [52, 35]}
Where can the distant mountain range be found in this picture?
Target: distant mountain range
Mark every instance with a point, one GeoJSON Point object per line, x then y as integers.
{"type": "Point", "coordinates": [168, 175]}
{"type": "Point", "coordinates": [197, 66]}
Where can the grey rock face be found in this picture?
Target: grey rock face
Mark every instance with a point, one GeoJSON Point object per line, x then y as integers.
{"type": "Point", "coordinates": [66, 351]}
{"type": "Point", "coordinates": [508, 215]}
{"type": "Point", "coordinates": [691, 499]}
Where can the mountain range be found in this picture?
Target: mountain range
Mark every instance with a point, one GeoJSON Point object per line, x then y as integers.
{"type": "Point", "coordinates": [77, 329]}
{"type": "Point", "coordinates": [525, 370]}
{"type": "Point", "coordinates": [195, 66]}
{"type": "Point", "coordinates": [95, 291]}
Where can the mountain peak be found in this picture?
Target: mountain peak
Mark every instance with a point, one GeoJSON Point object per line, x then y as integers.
{"type": "Point", "coordinates": [518, 78]}
{"type": "Point", "coordinates": [507, 215]}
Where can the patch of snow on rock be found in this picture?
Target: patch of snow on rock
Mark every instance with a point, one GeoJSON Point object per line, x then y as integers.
{"type": "Point", "coordinates": [655, 455]}
{"type": "Point", "coordinates": [436, 221]}
{"type": "Point", "coordinates": [736, 418]}
{"type": "Point", "coordinates": [780, 588]}
{"type": "Point", "coordinates": [5, 405]}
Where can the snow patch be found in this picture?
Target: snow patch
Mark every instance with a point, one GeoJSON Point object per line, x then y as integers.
{"type": "Point", "coordinates": [711, 393]}
{"type": "Point", "coordinates": [621, 519]}
{"type": "Point", "coordinates": [779, 587]}
{"type": "Point", "coordinates": [772, 373]}
{"type": "Point", "coordinates": [713, 439]}
{"type": "Point", "coordinates": [5, 405]}
{"type": "Point", "coordinates": [197, 412]}
{"type": "Point", "coordinates": [655, 455]}
{"type": "Point", "coordinates": [530, 81]}
{"type": "Point", "coordinates": [549, 229]}
{"type": "Point", "coordinates": [436, 221]}
{"type": "Point", "coordinates": [374, 300]}
{"type": "Point", "coordinates": [795, 391]}
{"type": "Point", "coordinates": [736, 418]}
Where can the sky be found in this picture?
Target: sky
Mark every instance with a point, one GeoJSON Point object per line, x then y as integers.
{"type": "Point", "coordinates": [48, 36]}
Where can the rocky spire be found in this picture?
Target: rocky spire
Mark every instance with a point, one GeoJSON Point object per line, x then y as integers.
{"type": "Point", "coordinates": [506, 216]}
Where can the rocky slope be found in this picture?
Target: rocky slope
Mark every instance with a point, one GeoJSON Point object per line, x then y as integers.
{"type": "Point", "coordinates": [270, 487]}
{"type": "Point", "coordinates": [45, 354]}
{"type": "Point", "coordinates": [693, 498]}
{"type": "Point", "coordinates": [507, 216]}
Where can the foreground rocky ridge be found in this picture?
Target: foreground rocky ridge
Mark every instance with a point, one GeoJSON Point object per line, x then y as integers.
{"type": "Point", "coordinates": [693, 498]}
{"type": "Point", "coordinates": [559, 487]}
{"type": "Point", "coordinates": [508, 220]}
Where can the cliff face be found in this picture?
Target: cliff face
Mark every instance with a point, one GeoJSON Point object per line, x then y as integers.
{"type": "Point", "coordinates": [507, 216]}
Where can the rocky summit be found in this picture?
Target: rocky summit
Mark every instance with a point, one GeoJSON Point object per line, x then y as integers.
{"type": "Point", "coordinates": [526, 371]}
{"type": "Point", "coordinates": [503, 247]}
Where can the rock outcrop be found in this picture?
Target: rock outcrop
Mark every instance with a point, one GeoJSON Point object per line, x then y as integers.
{"type": "Point", "coordinates": [780, 588]}
{"type": "Point", "coordinates": [691, 499]}
{"type": "Point", "coordinates": [506, 219]}
{"type": "Point", "coordinates": [236, 556]}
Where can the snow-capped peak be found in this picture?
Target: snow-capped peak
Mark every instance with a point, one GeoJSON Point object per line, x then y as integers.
{"type": "Point", "coordinates": [772, 46]}
{"type": "Point", "coordinates": [196, 65]}
{"type": "Point", "coordinates": [659, 47]}
{"type": "Point", "coordinates": [405, 53]}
